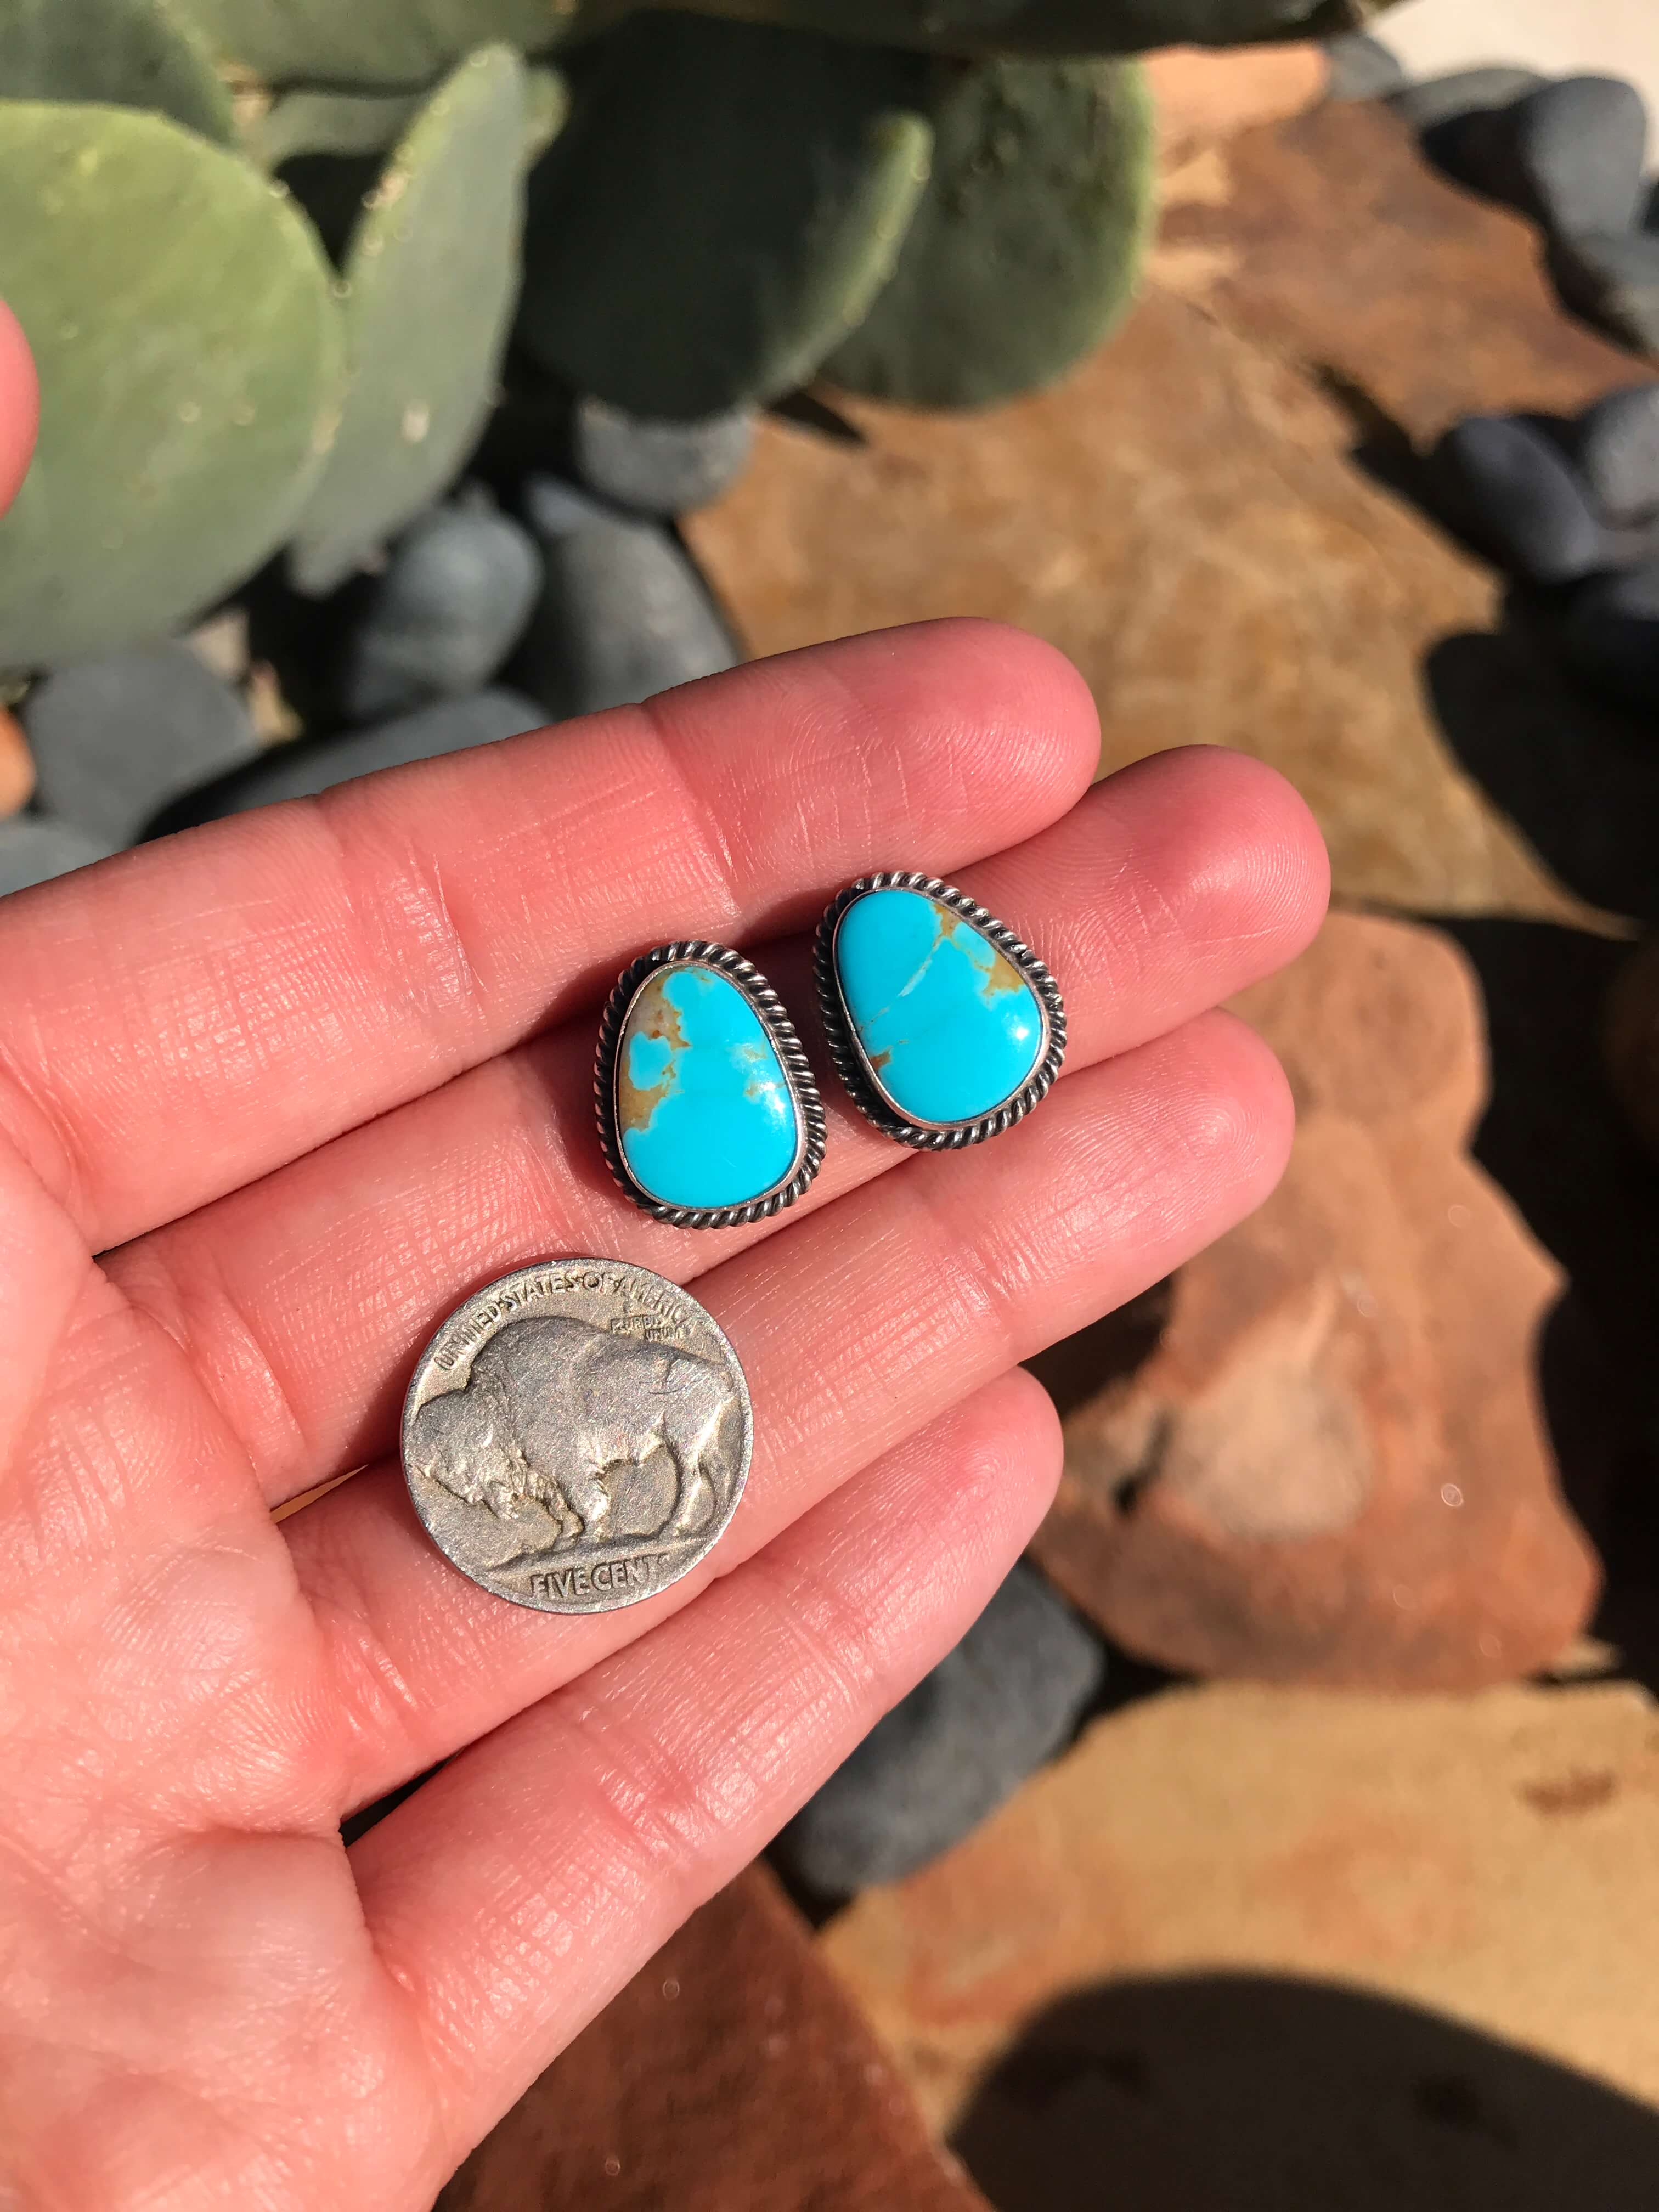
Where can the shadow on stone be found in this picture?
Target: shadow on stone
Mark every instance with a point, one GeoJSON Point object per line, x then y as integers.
{"type": "Point", "coordinates": [1109, 1351]}
{"type": "Point", "coordinates": [809, 410]}
{"type": "Point", "coordinates": [1576, 774]}
{"type": "Point", "coordinates": [1553, 1138]}
{"type": "Point", "coordinates": [1246, 2093]}
{"type": "Point", "coordinates": [303, 639]}
{"type": "Point", "coordinates": [1421, 475]}
{"type": "Point", "coordinates": [1578, 778]}
{"type": "Point", "coordinates": [1383, 449]}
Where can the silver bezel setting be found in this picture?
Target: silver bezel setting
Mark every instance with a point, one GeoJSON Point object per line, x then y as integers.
{"type": "Point", "coordinates": [698, 952]}
{"type": "Point", "coordinates": [854, 1070]}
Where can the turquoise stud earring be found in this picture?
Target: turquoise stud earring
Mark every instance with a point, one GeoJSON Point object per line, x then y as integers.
{"type": "Point", "coordinates": [944, 1026]}
{"type": "Point", "coordinates": [708, 1115]}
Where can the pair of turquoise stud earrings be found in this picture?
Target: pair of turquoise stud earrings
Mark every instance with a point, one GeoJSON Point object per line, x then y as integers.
{"type": "Point", "coordinates": [944, 1028]}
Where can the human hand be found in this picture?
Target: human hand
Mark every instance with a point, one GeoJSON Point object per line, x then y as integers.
{"type": "Point", "coordinates": [304, 1080]}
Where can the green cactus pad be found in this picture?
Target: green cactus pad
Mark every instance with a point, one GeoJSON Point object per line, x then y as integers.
{"type": "Point", "coordinates": [1054, 26]}
{"type": "Point", "coordinates": [428, 284]}
{"type": "Point", "coordinates": [721, 209]}
{"type": "Point", "coordinates": [131, 53]}
{"type": "Point", "coordinates": [191, 359]}
{"type": "Point", "coordinates": [348, 124]}
{"type": "Point", "coordinates": [371, 44]}
{"type": "Point", "coordinates": [1024, 250]}
{"type": "Point", "coordinates": [546, 110]}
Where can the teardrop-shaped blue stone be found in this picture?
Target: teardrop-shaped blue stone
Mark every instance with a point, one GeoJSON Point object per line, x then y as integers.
{"type": "Point", "coordinates": [949, 1027]}
{"type": "Point", "coordinates": [705, 1115]}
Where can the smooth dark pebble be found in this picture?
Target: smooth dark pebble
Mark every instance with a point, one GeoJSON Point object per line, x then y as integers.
{"type": "Point", "coordinates": [1611, 279]}
{"type": "Point", "coordinates": [624, 614]}
{"type": "Point", "coordinates": [1576, 152]}
{"type": "Point", "coordinates": [1510, 490]}
{"type": "Point", "coordinates": [1362, 68]}
{"type": "Point", "coordinates": [658, 468]}
{"type": "Point", "coordinates": [443, 616]}
{"type": "Point", "coordinates": [554, 509]}
{"type": "Point", "coordinates": [1612, 637]}
{"type": "Point", "coordinates": [33, 850]}
{"type": "Point", "coordinates": [1616, 445]}
{"type": "Point", "coordinates": [116, 739]}
{"type": "Point", "coordinates": [988, 1716]}
{"type": "Point", "coordinates": [1439, 100]}
{"type": "Point", "coordinates": [302, 769]}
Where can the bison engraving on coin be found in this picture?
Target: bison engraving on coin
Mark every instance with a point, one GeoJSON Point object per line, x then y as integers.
{"type": "Point", "coordinates": [553, 1409]}
{"type": "Point", "coordinates": [577, 1434]}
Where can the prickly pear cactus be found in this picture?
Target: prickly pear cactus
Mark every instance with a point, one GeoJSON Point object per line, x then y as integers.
{"type": "Point", "coordinates": [546, 110]}
{"type": "Point", "coordinates": [133, 54]}
{"type": "Point", "coordinates": [371, 44]}
{"type": "Point", "coordinates": [191, 359]}
{"type": "Point", "coordinates": [428, 286]}
{"type": "Point", "coordinates": [721, 209]}
{"type": "Point", "coordinates": [348, 124]}
{"type": "Point", "coordinates": [1024, 250]}
{"type": "Point", "coordinates": [1055, 26]}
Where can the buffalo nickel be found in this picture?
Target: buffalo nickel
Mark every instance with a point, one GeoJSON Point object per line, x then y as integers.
{"type": "Point", "coordinates": [577, 1435]}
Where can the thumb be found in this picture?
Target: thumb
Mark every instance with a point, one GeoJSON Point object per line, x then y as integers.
{"type": "Point", "coordinates": [20, 407]}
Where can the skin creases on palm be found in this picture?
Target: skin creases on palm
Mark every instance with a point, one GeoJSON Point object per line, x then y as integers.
{"type": "Point", "coordinates": [273, 1097]}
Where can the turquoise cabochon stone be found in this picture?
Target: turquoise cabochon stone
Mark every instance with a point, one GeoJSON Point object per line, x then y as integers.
{"type": "Point", "coordinates": [706, 1116]}
{"type": "Point", "coordinates": [949, 1026]}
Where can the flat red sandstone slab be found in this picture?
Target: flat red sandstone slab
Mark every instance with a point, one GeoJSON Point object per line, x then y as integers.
{"type": "Point", "coordinates": [1333, 1469]}
{"type": "Point", "coordinates": [1332, 242]}
{"type": "Point", "coordinates": [734, 2074]}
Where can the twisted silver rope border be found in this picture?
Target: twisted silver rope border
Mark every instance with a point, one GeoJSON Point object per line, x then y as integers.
{"type": "Point", "coordinates": [797, 1069]}
{"type": "Point", "coordinates": [848, 1059]}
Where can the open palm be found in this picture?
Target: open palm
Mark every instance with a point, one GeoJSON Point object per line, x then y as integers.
{"type": "Point", "coordinates": [277, 1094]}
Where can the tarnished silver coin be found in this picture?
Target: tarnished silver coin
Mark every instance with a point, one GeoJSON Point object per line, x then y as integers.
{"type": "Point", "coordinates": [577, 1435]}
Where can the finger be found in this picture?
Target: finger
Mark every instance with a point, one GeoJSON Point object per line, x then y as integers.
{"type": "Point", "coordinates": [304, 1300]}
{"type": "Point", "coordinates": [20, 407]}
{"type": "Point", "coordinates": [193, 1014]}
{"type": "Point", "coordinates": [855, 1329]}
{"type": "Point", "coordinates": [517, 1891]}
{"type": "Point", "coordinates": [46, 1272]}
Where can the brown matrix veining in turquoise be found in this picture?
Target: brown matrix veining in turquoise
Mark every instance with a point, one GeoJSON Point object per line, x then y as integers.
{"type": "Point", "coordinates": [705, 1116]}
{"type": "Point", "coordinates": [949, 1027]}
